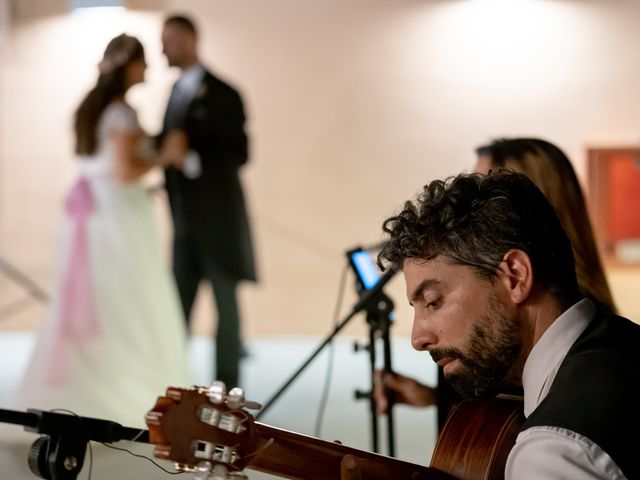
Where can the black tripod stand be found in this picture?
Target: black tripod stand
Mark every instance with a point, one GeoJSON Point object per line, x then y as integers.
{"type": "Point", "coordinates": [379, 318]}
{"type": "Point", "coordinates": [370, 300]}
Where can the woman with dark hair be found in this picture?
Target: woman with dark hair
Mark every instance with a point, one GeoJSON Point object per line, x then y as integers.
{"type": "Point", "coordinates": [551, 171]}
{"type": "Point", "coordinates": [114, 337]}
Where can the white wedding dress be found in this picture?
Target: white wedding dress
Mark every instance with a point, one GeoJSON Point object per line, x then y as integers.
{"type": "Point", "coordinates": [114, 336]}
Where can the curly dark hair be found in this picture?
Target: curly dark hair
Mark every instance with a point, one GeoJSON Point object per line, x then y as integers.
{"type": "Point", "coordinates": [475, 219]}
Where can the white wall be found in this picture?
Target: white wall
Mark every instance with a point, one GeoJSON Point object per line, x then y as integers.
{"type": "Point", "coordinates": [352, 107]}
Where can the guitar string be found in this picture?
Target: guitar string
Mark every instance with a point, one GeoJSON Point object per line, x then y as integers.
{"type": "Point", "coordinates": [140, 433]}
{"type": "Point", "coordinates": [246, 416]}
{"type": "Point", "coordinates": [261, 449]}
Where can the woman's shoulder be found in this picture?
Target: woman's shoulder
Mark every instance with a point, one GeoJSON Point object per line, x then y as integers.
{"type": "Point", "coordinates": [120, 115]}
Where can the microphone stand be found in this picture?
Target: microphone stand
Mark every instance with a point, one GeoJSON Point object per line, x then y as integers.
{"type": "Point", "coordinates": [23, 281]}
{"type": "Point", "coordinates": [379, 319]}
{"type": "Point", "coordinates": [58, 454]}
{"type": "Point", "coordinates": [364, 301]}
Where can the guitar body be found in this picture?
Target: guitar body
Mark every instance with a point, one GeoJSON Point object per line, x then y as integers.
{"type": "Point", "coordinates": [199, 430]}
{"type": "Point", "coordinates": [477, 438]}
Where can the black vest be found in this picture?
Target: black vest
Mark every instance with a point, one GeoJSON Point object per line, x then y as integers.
{"type": "Point", "coordinates": [596, 392]}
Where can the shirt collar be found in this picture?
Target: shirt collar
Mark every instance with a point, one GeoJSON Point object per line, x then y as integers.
{"type": "Point", "coordinates": [191, 78]}
{"type": "Point", "coordinates": [548, 353]}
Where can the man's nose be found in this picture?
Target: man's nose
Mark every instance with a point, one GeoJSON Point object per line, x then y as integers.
{"type": "Point", "coordinates": [422, 335]}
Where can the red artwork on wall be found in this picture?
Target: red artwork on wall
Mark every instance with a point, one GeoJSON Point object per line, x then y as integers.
{"type": "Point", "coordinates": [614, 201]}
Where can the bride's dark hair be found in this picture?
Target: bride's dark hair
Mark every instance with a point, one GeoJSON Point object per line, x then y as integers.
{"type": "Point", "coordinates": [120, 52]}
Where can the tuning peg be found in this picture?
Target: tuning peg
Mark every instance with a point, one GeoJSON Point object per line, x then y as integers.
{"type": "Point", "coordinates": [206, 471]}
{"type": "Point", "coordinates": [235, 399]}
{"type": "Point", "coordinates": [203, 470]}
{"type": "Point", "coordinates": [217, 392]}
{"type": "Point", "coordinates": [253, 405]}
{"type": "Point", "coordinates": [220, 472]}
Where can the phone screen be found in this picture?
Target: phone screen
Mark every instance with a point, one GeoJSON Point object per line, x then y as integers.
{"type": "Point", "coordinates": [365, 267]}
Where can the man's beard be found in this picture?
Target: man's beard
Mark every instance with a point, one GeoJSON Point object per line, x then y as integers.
{"type": "Point", "coordinates": [494, 347]}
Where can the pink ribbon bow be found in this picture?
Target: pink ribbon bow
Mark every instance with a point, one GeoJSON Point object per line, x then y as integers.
{"type": "Point", "coordinates": [78, 312]}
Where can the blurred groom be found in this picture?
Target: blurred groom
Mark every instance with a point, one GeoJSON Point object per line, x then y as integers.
{"type": "Point", "coordinates": [212, 238]}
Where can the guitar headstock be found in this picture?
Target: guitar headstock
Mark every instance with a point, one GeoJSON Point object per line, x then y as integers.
{"type": "Point", "coordinates": [203, 430]}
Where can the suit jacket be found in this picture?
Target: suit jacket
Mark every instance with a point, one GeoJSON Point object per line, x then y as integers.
{"type": "Point", "coordinates": [209, 211]}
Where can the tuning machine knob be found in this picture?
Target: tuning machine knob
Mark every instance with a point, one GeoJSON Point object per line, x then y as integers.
{"type": "Point", "coordinates": [217, 394]}
{"type": "Point", "coordinates": [205, 470]}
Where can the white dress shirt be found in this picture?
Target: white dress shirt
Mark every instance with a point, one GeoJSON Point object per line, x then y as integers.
{"type": "Point", "coordinates": [553, 453]}
{"type": "Point", "coordinates": [185, 88]}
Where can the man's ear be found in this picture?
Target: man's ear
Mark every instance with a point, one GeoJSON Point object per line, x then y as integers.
{"type": "Point", "coordinates": [518, 273]}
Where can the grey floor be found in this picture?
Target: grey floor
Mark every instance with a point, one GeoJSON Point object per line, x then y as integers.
{"type": "Point", "coordinates": [270, 363]}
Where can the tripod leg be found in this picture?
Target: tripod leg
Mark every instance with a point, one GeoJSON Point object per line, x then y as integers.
{"type": "Point", "coordinates": [372, 400]}
{"type": "Point", "coordinates": [387, 368]}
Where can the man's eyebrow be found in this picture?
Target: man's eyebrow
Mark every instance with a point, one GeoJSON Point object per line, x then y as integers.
{"type": "Point", "coordinates": [422, 286]}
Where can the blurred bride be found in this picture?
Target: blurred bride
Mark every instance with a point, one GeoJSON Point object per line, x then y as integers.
{"type": "Point", "coordinates": [113, 338]}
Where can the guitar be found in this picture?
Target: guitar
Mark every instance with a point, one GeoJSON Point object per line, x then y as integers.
{"type": "Point", "coordinates": [210, 432]}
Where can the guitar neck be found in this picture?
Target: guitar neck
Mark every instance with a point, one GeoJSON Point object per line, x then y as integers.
{"type": "Point", "coordinates": [187, 427]}
{"type": "Point", "coordinates": [296, 456]}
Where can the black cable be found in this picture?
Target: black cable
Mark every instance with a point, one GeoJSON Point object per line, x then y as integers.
{"type": "Point", "coordinates": [137, 437]}
{"type": "Point", "coordinates": [327, 380]}
{"type": "Point", "coordinates": [143, 456]}
{"type": "Point", "coordinates": [49, 424]}
{"type": "Point", "coordinates": [365, 298]}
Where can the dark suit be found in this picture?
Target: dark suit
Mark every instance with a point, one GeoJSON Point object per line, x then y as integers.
{"type": "Point", "coordinates": [212, 238]}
